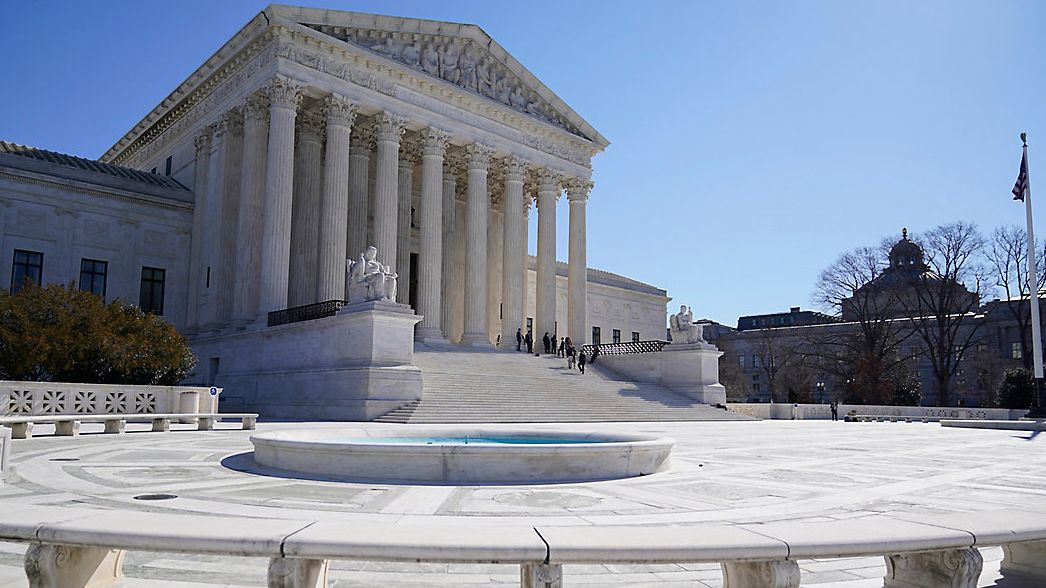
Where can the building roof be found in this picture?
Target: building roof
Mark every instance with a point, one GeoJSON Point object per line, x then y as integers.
{"type": "Point", "coordinates": [89, 165]}
{"type": "Point", "coordinates": [598, 276]}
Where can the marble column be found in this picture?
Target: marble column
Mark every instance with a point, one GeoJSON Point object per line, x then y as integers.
{"type": "Point", "coordinates": [229, 137]}
{"type": "Point", "coordinates": [513, 254]}
{"type": "Point", "coordinates": [477, 213]}
{"type": "Point", "coordinates": [495, 248]}
{"type": "Point", "coordinates": [577, 270]}
{"type": "Point", "coordinates": [201, 184]}
{"type": "Point", "coordinates": [450, 280]}
{"type": "Point", "coordinates": [430, 251]}
{"type": "Point", "coordinates": [305, 210]}
{"type": "Point", "coordinates": [249, 219]}
{"type": "Point", "coordinates": [545, 297]}
{"type": "Point", "coordinates": [409, 151]}
{"type": "Point", "coordinates": [387, 130]}
{"type": "Point", "coordinates": [528, 204]}
{"type": "Point", "coordinates": [457, 298]}
{"type": "Point", "coordinates": [213, 223]}
{"type": "Point", "coordinates": [334, 208]}
{"type": "Point", "coordinates": [360, 146]}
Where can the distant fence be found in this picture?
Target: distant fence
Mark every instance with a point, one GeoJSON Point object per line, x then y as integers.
{"type": "Point", "coordinates": [784, 410]}
{"type": "Point", "coordinates": [66, 398]}
{"type": "Point", "coordinates": [307, 312]}
{"type": "Point", "coordinates": [625, 348]}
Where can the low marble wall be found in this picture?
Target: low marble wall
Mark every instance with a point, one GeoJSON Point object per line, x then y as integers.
{"type": "Point", "coordinates": [691, 370]}
{"type": "Point", "coordinates": [781, 410]}
{"type": "Point", "coordinates": [5, 451]}
{"type": "Point", "coordinates": [65, 398]}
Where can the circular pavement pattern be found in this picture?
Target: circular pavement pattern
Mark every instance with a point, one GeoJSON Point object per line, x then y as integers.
{"type": "Point", "coordinates": [727, 471]}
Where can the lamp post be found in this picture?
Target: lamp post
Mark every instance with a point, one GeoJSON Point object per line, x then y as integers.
{"type": "Point", "coordinates": [820, 393]}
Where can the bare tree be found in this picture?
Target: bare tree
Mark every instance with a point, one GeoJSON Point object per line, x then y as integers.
{"type": "Point", "coordinates": [1007, 256]}
{"type": "Point", "coordinates": [775, 352]}
{"type": "Point", "coordinates": [944, 299]}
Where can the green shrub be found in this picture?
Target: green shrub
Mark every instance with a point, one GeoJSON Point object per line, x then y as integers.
{"type": "Point", "coordinates": [1016, 390]}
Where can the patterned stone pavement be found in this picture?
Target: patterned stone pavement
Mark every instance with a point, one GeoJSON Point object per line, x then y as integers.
{"type": "Point", "coordinates": [734, 472]}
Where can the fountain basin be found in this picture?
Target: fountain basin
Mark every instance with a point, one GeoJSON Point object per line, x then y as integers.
{"type": "Point", "coordinates": [464, 456]}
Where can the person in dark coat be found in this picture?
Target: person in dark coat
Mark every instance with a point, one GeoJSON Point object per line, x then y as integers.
{"type": "Point", "coordinates": [581, 360]}
{"type": "Point", "coordinates": [562, 347]}
{"type": "Point", "coordinates": [530, 342]}
{"type": "Point", "coordinates": [553, 344]}
{"type": "Point", "coordinates": [519, 339]}
{"type": "Point", "coordinates": [835, 410]}
{"type": "Point", "coordinates": [547, 342]}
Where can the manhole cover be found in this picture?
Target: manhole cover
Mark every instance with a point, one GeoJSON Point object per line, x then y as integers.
{"type": "Point", "coordinates": [155, 496]}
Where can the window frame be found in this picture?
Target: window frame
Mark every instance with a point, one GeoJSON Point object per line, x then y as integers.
{"type": "Point", "coordinates": [94, 273]}
{"type": "Point", "coordinates": [152, 282]}
{"type": "Point", "coordinates": [18, 282]}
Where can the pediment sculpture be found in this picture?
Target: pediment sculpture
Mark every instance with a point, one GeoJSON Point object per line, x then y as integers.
{"type": "Point", "coordinates": [369, 280]}
{"type": "Point", "coordinates": [683, 329]}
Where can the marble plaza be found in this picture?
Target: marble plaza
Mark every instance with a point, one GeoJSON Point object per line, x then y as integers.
{"type": "Point", "coordinates": [733, 472]}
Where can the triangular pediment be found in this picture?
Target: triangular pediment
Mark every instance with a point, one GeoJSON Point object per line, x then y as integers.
{"type": "Point", "coordinates": [459, 54]}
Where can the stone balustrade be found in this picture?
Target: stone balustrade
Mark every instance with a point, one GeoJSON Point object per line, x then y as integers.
{"type": "Point", "coordinates": [5, 451]}
{"type": "Point", "coordinates": [74, 548]}
{"type": "Point", "coordinates": [21, 427]}
{"type": "Point", "coordinates": [784, 410]}
{"type": "Point", "coordinates": [63, 398]}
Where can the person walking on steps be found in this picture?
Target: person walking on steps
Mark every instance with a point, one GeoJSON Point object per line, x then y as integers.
{"type": "Point", "coordinates": [519, 339]}
{"type": "Point", "coordinates": [581, 359]}
{"type": "Point", "coordinates": [562, 347]}
{"type": "Point", "coordinates": [547, 342]}
{"type": "Point", "coordinates": [530, 342]}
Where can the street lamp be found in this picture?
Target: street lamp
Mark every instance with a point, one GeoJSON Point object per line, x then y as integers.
{"type": "Point", "coordinates": [820, 393]}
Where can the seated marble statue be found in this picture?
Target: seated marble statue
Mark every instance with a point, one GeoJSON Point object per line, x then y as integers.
{"type": "Point", "coordinates": [368, 279]}
{"type": "Point", "coordinates": [683, 328]}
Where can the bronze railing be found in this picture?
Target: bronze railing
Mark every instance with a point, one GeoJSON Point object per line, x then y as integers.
{"type": "Point", "coordinates": [624, 348]}
{"type": "Point", "coordinates": [307, 312]}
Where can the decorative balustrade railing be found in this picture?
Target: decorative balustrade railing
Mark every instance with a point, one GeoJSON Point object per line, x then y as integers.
{"type": "Point", "coordinates": [624, 348]}
{"type": "Point", "coordinates": [307, 312]}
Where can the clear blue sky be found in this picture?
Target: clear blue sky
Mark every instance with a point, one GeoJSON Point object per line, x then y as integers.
{"type": "Point", "coordinates": [752, 142]}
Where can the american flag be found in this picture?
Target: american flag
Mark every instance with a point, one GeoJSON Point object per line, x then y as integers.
{"type": "Point", "coordinates": [1021, 186]}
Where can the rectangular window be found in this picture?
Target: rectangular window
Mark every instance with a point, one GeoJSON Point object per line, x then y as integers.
{"type": "Point", "coordinates": [530, 325]}
{"type": "Point", "coordinates": [595, 335]}
{"type": "Point", "coordinates": [757, 361]}
{"type": "Point", "coordinates": [92, 276]}
{"type": "Point", "coordinates": [151, 295]}
{"type": "Point", "coordinates": [28, 267]}
{"type": "Point", "coordinates": [741, 360]}
{"type": "Point", "coordinates": [635, 336]}
{"type": "Point", "coordinates": [616, 334]}
{"type": "Point", "coordinates": [167, 166]}
{"type": "Point", "coordinates": [1015, 351]}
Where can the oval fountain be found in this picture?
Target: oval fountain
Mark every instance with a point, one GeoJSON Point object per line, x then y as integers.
{"type": "Point", "coordinates": [464, 456]}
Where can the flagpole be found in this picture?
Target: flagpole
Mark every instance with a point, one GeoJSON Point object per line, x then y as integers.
{"type": "Point", "coordinates": [1033, 283]}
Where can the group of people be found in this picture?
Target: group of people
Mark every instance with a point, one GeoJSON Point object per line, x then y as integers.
{"type": "Point", "coordinates": [565, 348]}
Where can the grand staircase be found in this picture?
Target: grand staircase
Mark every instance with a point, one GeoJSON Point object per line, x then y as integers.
{"type": "Point", "coordinates": [468, 386]}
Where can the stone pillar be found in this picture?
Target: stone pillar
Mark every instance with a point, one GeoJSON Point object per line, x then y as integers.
{"type": "Point", "coordinates": [577, 270]}
{"type": "Point", "coordinates": [297, 573]}
{"type": "Point", "coordinates": [495, 251]}
{"type": "Point", "coordinates": [229, 137]}
{"type": "Point", "coordinates": [360, 145]}
{"type": "Point", "coordinates": [955, 568]}
{"type": "Point", "coordinates": [457, 298]}
{"type": "Point", "coordinates": [528, 204]}
{"type": "Point", "coordinates": [334, 208]}
{"type": "Point", "coordinates": [387, 130]}
{"type": "Point", "coordinates": [49, 565]}
{"type": "Point", "coordinates": [305, 211]}
{"type": "Point", "coordinates": [450, 283]}
{"type": "Point", "coordinates": [249, 219]}
{"type": "Point", "coordinates": [478, 208]}
{"type": "Point", "coordinates": [765, 574]}
{"type": "Point", "coordinates": [284, 98]}
{"type": "Point", "coordinates": [430, 252]}
{"type": "Point", "coordinates": [513, 270]}
{"type": "Point", "coordinates": [545, 307]}
{"type": "Point", "coordinates": [409, 151]}
{"type": "Point", "coordinates": [201, 184]}
{"type": "Point", "coordinates": [210, 275]}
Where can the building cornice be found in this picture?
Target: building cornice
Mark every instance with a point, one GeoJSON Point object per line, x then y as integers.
{"type": "Point", "coordinates": [69, 185]}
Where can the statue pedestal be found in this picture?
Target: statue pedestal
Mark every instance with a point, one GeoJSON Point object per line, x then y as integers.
{"type": "Point", "coordinates": [689, 369]}
{"type": "Point", "coordinates": [354, 366]}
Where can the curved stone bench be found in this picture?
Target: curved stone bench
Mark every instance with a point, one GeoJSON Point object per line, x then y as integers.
{"type": "Point", "coordinates": [76, 548]}
{"type": "Point", "coordinates": [69, 425]}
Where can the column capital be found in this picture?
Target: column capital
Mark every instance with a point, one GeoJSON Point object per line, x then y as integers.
{"type": "Point", "coordinates": [388, 126]}
{"type": "Point", "coordinates": [310, 126]}
{"type": "Point", "coordinates": [338, 110]}
{"type": "Point", "coordinates": [547, 180]}
{"type": "Point", "coordinates": [578, 189]}
{"type": "Point", "coordinates": [284, 93]}
{"type": "Point", "coordinates": [515, 168]}
{"type": "Point", "coordinates": [454, 162]}
{"type": "Point", "coordinates": [478, 155]}
{"type": "Point", "coordinates": [410, 150]}
{"type": "Point", "coordinates": [231, 121]}
{"type": "Point", "coordinates": [434, 141]}
{"type": "Point", "coordinates": [362, 139]}
{"type": "Point", "coordinates": [256, 107]}
{"type": "Point", "coordinates": [202, 139]}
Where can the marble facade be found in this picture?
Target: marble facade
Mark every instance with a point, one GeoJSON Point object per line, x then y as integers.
{"type": "Point", "coordinates": [312, 133]}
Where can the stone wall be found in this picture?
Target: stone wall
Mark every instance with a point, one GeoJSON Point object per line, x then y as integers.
{"type": "Point", "coordinates": [5, 451]}
{"type": "Point", "coordinates": [783, 410]}
{"type": "Point", "coordinates": [63, 398]}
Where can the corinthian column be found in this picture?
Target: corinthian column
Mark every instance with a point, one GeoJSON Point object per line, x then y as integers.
{"type": "Point", "coordinates": [430, 252]}
{"type": "Point", "coordinates": [229, 137]}
{"type": "Point", "coordinates": [477, 212]}
{"type": "Point", "coordinates": [453, 165]}
{"type": "Point", "coordinates": [409, 151]}
{"type": "Point", "coordinates": [577, 271]}
{"type": "Point", "coordinates": [251, 209]}
{"type": "Point", "coordinates": [284, 98]}
{"type": "Point", "coordinates": [201, 189]}
{"type": "Point", "coordinates": [545, 309]}
{"type": "Point", "coordinates": [334, 209]}
{"type": "Point", "coordinates": [360, 145]}
{"type": "Point", "coordinates": [387, 130]}
{"type": "Point", "coordinates": [305, 211]}
{"type": "Point", "coordinates": [514, 251]}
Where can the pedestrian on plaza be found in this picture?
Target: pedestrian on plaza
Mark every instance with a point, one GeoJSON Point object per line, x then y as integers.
{"type": "Point", "coordinates": [581, 359]}
{"type": "Point", "coordinates": [547, 342]}
{"type": "Point", "coordinates": [835, 410]}
{"type": "Point", "coordinates": [570, 357]}
{"type": "Point", "coordinates": [519, 339]}
{"type": "Point", "coordinates": [553, 344]}
{"type": "Point", "coordinates": [530, 342]}
{"type": "Point", "coordinates": [569, 343]}
{"type": "Point", "coordinates": [562, 347]}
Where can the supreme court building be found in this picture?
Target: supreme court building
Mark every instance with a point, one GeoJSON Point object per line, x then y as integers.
{"type": "Point", "coordinates": [308, 136]}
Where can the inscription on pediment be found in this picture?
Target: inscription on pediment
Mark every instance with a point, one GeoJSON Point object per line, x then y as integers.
{"type": "Point", "coordinates": [458, 61]}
